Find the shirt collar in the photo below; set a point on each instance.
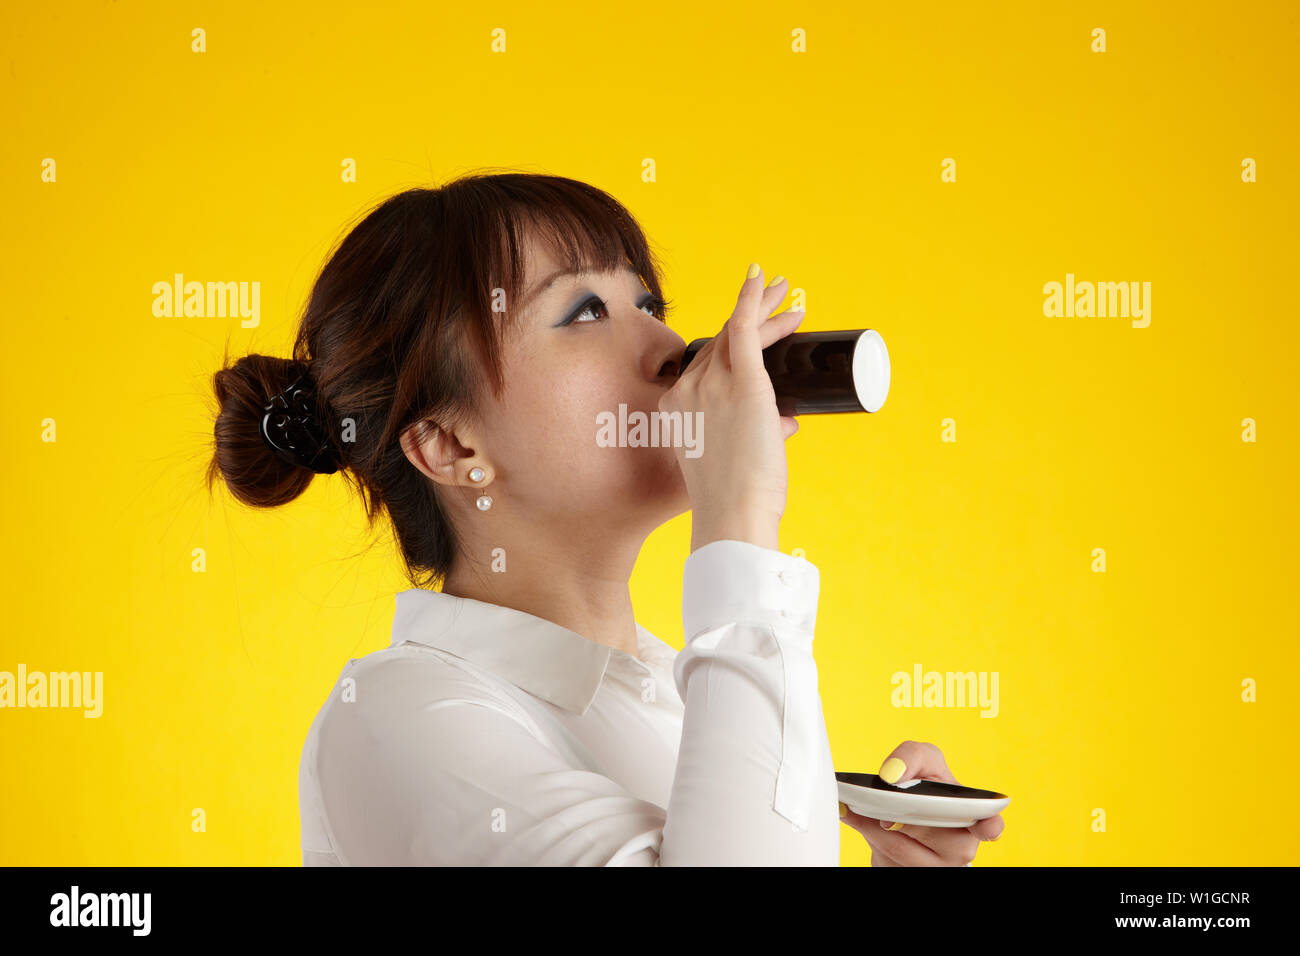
(536, 655)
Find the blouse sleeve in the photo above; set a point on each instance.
(440, 772)
(755, 783)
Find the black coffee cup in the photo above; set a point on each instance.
(815, 373)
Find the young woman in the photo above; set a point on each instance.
(457, 354)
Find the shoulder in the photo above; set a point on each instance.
(397, 678)
(384, 691)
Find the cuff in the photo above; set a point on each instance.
(729, 581)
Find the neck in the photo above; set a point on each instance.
(577, 585)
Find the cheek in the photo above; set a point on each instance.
(552, 427)
(576, 407)
(548, 416)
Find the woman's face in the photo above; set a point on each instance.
(587, 343)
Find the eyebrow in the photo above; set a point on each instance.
(546, 284)
(551, 279)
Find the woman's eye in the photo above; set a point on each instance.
(589, 308)
(595, 310)
(656, 307)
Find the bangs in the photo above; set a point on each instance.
(583, 228)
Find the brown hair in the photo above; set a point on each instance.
(400, 328)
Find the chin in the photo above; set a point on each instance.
(670, 493)
(658, 481)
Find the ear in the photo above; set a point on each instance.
(441, 455)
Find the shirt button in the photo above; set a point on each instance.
(788, 577)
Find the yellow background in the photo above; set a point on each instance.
(1119, 691)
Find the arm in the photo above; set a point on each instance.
(755, 784)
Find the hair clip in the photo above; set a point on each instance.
(292, 429)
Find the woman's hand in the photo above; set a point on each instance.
(920, 846)
(738, 485)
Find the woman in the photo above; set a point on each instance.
(458, 350)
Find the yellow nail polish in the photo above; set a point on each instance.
(892, 769)
(775, 281)
(896, 826)
(753, 270)
(844, 809)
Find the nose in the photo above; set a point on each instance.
(658, 349)
(661, 354)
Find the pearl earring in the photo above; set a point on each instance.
(484, 502)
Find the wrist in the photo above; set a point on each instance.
(763, 531)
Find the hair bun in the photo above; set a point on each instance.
(269, 430)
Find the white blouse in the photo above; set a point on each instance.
(488, 736)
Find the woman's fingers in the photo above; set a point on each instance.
(746, 355)
(750, 315)
(720, 344)
(875, 833)
(773, 295)
(989, 829)
(896, 844)
(776, 325)
(911, 852)
(779, 326)
(773, 329)
(915, 845)
(770, 328)
(912, 759)
(864, 826)
(954, 846)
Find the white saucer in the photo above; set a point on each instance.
(922, 803)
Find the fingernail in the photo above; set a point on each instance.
(844, 809)
(775, 281)
(753, 270)
(892, 769)
(892, 826)
(996, 838)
